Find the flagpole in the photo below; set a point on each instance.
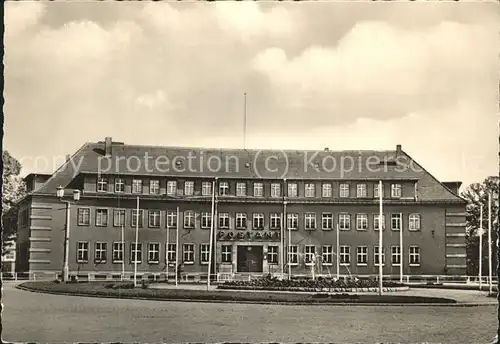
(123, 254)
(401, 250)
(166, 251)
(215, 227)
(282, 232)
(338, 250)
(480, 247)
(490, 267)
(380, 271)
(289, 256)
(136, 242)
(211, 236)
(177, 250)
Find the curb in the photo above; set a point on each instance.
(338, 304)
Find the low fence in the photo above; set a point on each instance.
(222, 277)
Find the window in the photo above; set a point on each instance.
(119, 185)
(188, 253)
(362, 255)
(258, 221)
(376, 256)
(361, 222)
(376, 222)
(258, 189)
(223, 188)
(83, 216)
(344, 190)
(361, 191)
(188, 219)
(272, 254)
(154, 253)
(154, 218)
(154, 187)
(82, 252)
(170, 257)
(241, 189)
(310, 220)
(309, 252)
(396, 222)
(293, 221)
(309, 190)
(275, 221)
(326, 190)
(100, 252)
(227, 253)
(395, 255)
(375, 191)
(414, 222)
(204, 253)
(101, 217)
(206, 220)
(135, 252)
(327, 254)
(119, 217)
(223, 220)
(102, 184)
(292, 190)
(206, 189)
(344, 222)
(241, 221)
(414, 256)
(275, 190)
(137, 220)
(136, 186)
(396, 190)
(327, 221)
(171, 188)
(118, 252)
(293, 255)
(189, 188)
(345, 255)
(172, 219)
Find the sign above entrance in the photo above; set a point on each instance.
(267, 235)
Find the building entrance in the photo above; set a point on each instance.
(250, 258)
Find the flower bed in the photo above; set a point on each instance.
(320, 284)
(124, 291)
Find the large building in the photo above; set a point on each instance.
(317, 195)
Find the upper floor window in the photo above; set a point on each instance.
(258, 189)
(327, 220)
(171, 187)
(223, 188)
(241, 189)
(154, 187)
(258, 221)
(188, 219)
(206, 189)
(275, 221)
(206, 220)
(361, 222)
(396, 220)
(344, 190)
(326, 190)
(275, 190)
(310, 220)
(344, 222)
(136, 186)
(292, 190)
(361, 191)
(137, 218)
(414, 222)
(171, 219)
(101, 217)
(154, 218)
(189, 188)
(102, 184)
(119, 217)
(223, 220)
(119, 185)
(241, 220)
(396, 190)
(309, 190)
(84, 216)
(376, 191)
(293, 221)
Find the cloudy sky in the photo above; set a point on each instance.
(339, 75)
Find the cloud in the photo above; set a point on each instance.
(21, 16)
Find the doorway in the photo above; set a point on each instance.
(250, 259)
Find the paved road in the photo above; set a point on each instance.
(52, 318)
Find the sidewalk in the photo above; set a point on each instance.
(469, 297)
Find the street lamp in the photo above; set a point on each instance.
(76, 198)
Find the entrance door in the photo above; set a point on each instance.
(250, 258)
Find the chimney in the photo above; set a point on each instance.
(453, 186)
(107, 146)
(327, 149)
(68, 157)
(398, 150)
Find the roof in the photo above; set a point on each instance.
(236, 163)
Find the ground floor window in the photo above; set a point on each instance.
(204, 253)
(362, 255)
(117, 252)
(376, 255)
(154, 253)
(293, 255)
(395, 255)
(227, 253)
(188, 253)
(309, 251)
(171, 253)
(272, 254)
(327, 254)
(82, 253)
(135, 252)
(100, 252)
(414, 256)
(345, 255)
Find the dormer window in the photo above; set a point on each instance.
(102, 184)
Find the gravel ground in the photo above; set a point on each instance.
(52, 318)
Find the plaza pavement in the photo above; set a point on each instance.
(47, 318)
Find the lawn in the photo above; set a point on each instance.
(126, 291)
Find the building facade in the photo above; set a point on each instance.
(271, 210)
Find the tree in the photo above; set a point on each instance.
(477, 194)
(13, 189)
